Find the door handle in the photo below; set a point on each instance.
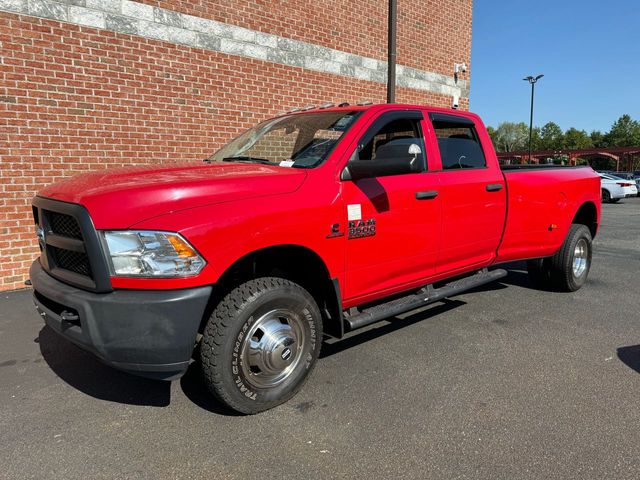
(426, 195)
(494, 187)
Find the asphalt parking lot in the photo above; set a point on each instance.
(504, 382)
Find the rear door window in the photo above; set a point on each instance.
(458, 142)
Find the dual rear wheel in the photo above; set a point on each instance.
(568, 269)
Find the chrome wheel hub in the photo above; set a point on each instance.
(272, 348)
(580, 257)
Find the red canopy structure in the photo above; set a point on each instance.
(622, 156)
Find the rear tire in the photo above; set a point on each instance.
(260, 344)
(569, 267)
(606, 196)
(539, 273)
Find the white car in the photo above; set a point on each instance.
(614, 188)
(629, 176)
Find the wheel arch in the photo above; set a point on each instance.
(587, 215)
(296, 263)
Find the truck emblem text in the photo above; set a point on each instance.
(362, 228)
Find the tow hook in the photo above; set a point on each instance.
(69, 317)
(42, 313)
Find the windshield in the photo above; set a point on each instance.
(303, 140)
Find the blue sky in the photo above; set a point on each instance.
(588, 50)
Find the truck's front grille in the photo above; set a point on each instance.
(76, 262)
(66, 254)
(71, 249)
(64, 225)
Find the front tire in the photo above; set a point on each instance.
(260, 344)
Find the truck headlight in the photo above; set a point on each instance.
(141, 253)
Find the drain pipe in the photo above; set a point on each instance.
(391, 52)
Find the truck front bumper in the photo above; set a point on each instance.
(150, 333)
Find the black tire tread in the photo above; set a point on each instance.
(218, 329)
(538, 272)
(560, 266)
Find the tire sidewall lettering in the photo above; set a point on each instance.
(236, 358)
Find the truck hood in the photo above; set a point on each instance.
(123, 197)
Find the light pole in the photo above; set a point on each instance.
(532, 81)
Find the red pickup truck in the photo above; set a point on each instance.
(313, 223)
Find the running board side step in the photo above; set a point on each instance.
(424, 297)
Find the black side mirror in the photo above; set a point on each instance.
(357, 169)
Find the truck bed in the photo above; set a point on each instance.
(542, 203)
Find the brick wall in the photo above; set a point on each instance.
(432, 34)
(75, 98)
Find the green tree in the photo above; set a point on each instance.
(492, 134)
(551, 137)
(510, 137)
(598, 139)
(575, 139)
(625, 132)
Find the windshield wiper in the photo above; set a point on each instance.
(243, 158)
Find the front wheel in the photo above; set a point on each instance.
(260, 344)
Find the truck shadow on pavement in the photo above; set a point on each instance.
(630, 356)
(195, 390)
(517, 276)
(85, 373)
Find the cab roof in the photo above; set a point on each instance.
(379, 107)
